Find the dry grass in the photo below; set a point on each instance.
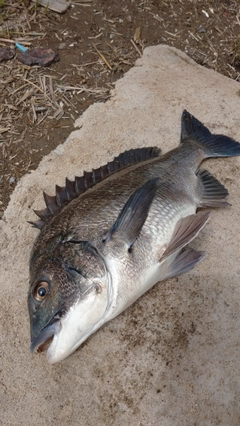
(34, 101)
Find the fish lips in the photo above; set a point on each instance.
(52, 328)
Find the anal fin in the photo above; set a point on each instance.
(213, 192)
(183, 262)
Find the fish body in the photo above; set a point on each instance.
(110, 235)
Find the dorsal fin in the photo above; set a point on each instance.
(81, 184)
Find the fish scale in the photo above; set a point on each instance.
(107, 237)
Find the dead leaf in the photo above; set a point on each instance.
(38, 56)
(137, 36)
(6, 53)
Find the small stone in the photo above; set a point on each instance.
(62, 46)
(201, 29)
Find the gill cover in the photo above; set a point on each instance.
(75, 302)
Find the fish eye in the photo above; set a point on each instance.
(41, 290)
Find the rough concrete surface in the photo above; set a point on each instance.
(173, 358)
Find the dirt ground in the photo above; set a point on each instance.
(97, 42)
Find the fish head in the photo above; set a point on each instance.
(68, 298)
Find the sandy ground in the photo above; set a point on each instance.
(173, 358)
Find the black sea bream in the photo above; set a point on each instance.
(110, 235)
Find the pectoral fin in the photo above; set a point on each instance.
(133, 215)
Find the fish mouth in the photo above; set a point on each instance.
(40, 342)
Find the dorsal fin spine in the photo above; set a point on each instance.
(81, 184)
(58, 190)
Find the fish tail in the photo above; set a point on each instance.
(213, 145)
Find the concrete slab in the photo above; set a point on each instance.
(173, 358)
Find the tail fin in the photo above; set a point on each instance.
(214, 145)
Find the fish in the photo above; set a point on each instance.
(110, 235)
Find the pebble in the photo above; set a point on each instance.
(62, 46)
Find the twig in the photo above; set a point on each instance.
(25, 96)
(39, 88)
(137, 49)
(102, 57)
(8, 40)
(43, 118)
